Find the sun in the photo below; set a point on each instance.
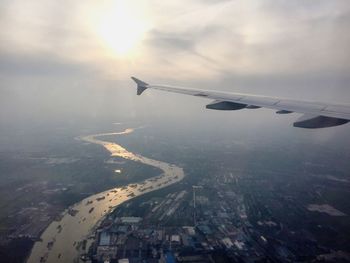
(122, 27)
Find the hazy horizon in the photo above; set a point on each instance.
(73, 59)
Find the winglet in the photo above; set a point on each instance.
(141, 86)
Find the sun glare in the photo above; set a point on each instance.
(121, 27)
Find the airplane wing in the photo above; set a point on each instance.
(315, 114)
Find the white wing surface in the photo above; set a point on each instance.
(316, 114)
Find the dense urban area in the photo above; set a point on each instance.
(230, 207)
(217, 220)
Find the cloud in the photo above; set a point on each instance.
(167, 41)
(202, 39)
(14, 65)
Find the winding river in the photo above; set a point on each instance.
(65, 240)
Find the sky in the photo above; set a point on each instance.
(73, 59)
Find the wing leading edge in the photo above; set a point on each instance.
(316, 114)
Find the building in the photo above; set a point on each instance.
(105, 238)
(130, 220)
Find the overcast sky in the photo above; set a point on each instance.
(64, 58)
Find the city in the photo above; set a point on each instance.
(221, 211)
(214, 221)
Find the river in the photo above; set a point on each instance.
(62, 240)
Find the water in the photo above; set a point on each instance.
(62, 240)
